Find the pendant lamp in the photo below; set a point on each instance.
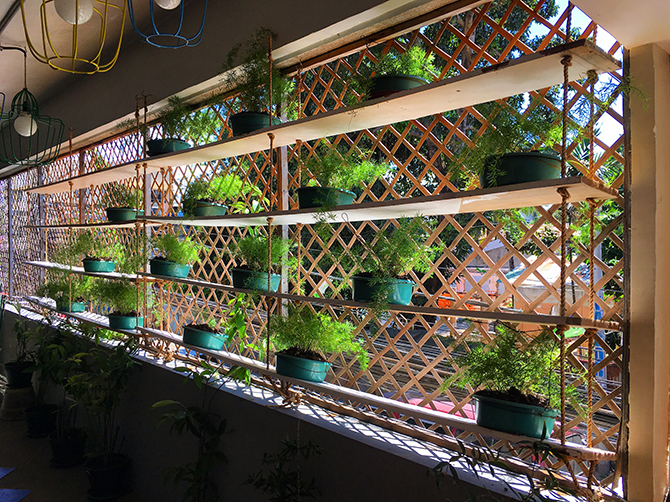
(93, 29)
(26, 137)
(168, 39)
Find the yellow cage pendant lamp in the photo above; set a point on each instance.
(96, 28)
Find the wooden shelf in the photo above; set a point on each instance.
(526, 73)
(381, 403)
(103, 224)
(80, 270)
(486, 316)
(487, 199)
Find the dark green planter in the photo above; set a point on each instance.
(246, 122)
(305, 369)
(109, 476)
(323, 197)
(120, 214)
(68, 450)
(368, 289)
(74, 307)
(250, 279)
(98, 265)
(390, 84)
(124, 322)
(41, 420)
(203, 339)
(169, 268)
(209, 209)
(515, 418)
(17, 378)
(521, 168)
(161, 146)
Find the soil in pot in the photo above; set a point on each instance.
(161, 146)
(247, 122)
(68, 450)
(366, 288)
(204, 336)
(251, 279)
(160, 266)
(41, 420)
(309, 365)
(109, 476)
(17, 378)
(386, 85)
(309, 197)
(523, 167)
(98, 265)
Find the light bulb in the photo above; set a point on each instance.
(73, 11)
(168, 4)
(25, 124)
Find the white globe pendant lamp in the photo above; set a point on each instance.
(74, 11)
(25, 125)
(168, 4)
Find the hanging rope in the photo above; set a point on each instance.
(568, 28)
(273, 173)
(269, 282)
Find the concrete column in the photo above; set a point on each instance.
(650, 275)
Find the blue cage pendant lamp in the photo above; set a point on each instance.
(26, 137)
(167, 39)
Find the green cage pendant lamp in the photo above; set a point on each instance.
(26, 137)
(95, 29)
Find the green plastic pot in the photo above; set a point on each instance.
(246, 122)
(515, 418)
(74, 307)
(203, 339)
(203, 208)
(385, 85)
(98, 265)
(304, 369)
(161, 146)
(520, 168)
(120, 213)
(169, 268)
(250, 279)
(369, 289)
(124, 322)
(323, 197)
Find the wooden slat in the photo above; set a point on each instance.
(514, 317)
(488, 199)
(388, 405)
(524, 74)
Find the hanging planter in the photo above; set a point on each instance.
(98, 265)
(524, 167)
(309, 197)
(515, 418)
(124, 321)
(299, 367)
(386, 85)
(158, 266)
(252, 279)
(203, 208)
(119, 214)
(370, 289)
(203, 336)
(248, 122)
(169, 145)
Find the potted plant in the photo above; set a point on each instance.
(204, 198)
(174, 257)
(336, 174)
(121, 298)
(252, 250)
(515, 147)
(71, 294)
(206, 332)
(99, 256)
(100, 376)
(251, 78)
(302, 336)
(396, 72)
(208, 427)
(121, 202)
(389, 257)
(178, 125)
(516, 382)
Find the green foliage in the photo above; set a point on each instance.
(92, 245)
(121, 195)
(23, 329)
(512, 362)
(220, 189)
(342, 170)
(178, 122)
(119, 296)
(310, 332)
(207, 426)
(414, 61)
(395, 252)
(253, 250)
(58, 287)
(252, 77)
(185, 252)
(281, 477)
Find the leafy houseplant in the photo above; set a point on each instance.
(174, 257)
(121, 202)
(71, 295)
(178, 125)
(391, 255)
(99, 378)
(300, 338)
(516, 382)
(253, 250)
(398, 72)
(205, 332)
(252, 79)
(121, 298)
(208, 199)
(336, 173)
(207, 426)
(99, 256)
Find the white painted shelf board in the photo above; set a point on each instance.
(532, 194)
(103, 224)
(526, 73)
(390, 406)
(505, 315)
(80, 270)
